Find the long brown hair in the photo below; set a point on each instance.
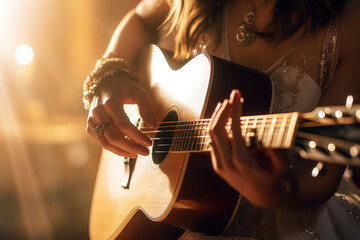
(191, 18)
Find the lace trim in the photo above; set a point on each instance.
(309, 224)
(329, 55)
(278, 74)
(348, 196)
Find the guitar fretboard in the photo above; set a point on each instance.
(269, 131)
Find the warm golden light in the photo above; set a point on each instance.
(354, 150)
(4, 13)
(312, 144)
(338, 114)
(316, 170)
(327, 110)
(331, 147)
(24, 54)
(349, 101)
(183, 83)
(321, 114)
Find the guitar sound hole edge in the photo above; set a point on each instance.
(164, 137)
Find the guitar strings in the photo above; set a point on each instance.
(165, 124)
(144, 128)
(275, 134)
(205, 135)
(197, 127)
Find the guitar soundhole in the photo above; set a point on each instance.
(164, 137)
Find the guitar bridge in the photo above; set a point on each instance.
(129, 164)
(126, 174)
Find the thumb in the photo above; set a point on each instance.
(141, 97)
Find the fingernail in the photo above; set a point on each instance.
(148, 142)
(144, 151)
(235, 94)
(217, 106)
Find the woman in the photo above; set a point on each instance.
(308, 48)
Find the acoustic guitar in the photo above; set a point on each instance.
(174, 188)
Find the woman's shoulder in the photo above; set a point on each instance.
(153, 12)
(350, 36)
(347, 71)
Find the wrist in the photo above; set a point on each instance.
(105, 68)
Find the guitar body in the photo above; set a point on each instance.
(167, 193)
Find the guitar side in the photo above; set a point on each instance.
(181, 190)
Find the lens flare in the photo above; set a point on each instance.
(24, 54)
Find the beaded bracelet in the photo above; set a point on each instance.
(104, 68)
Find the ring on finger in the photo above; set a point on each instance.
(99, 129)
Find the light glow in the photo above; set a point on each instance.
(321, 114)
(349, 102)
(24, 54)
(316, 170)
(331, 147)
(5, 7)
(354, 151)
(327, 110)
(338, 114)
(312, 144)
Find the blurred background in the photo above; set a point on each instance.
(48, 163)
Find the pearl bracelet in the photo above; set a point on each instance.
(104, 68)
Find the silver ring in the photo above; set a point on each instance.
(99, 129)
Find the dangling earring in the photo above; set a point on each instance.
(245, 34)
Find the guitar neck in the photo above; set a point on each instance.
(269, 131)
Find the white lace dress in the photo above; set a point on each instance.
(295, 90)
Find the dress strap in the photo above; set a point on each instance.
(330, 52)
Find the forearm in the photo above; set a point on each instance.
(303, 190)
(137, 29)
(130, 37)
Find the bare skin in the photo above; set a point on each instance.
(263, 186)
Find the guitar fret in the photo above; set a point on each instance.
(175, 138)
(175, 145)
(262, 131)
(291, 129)
(193, 135)
(181, 137)
(197, 138)
(280, 136)
(206, 138)
(271, 132)
(254, 125)
(198, 145)
(186, 137)
(200, 136)
(189, 135)
(245, 127)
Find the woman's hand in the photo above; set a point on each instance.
(120, 136)
(259, 179)
(199, 236)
